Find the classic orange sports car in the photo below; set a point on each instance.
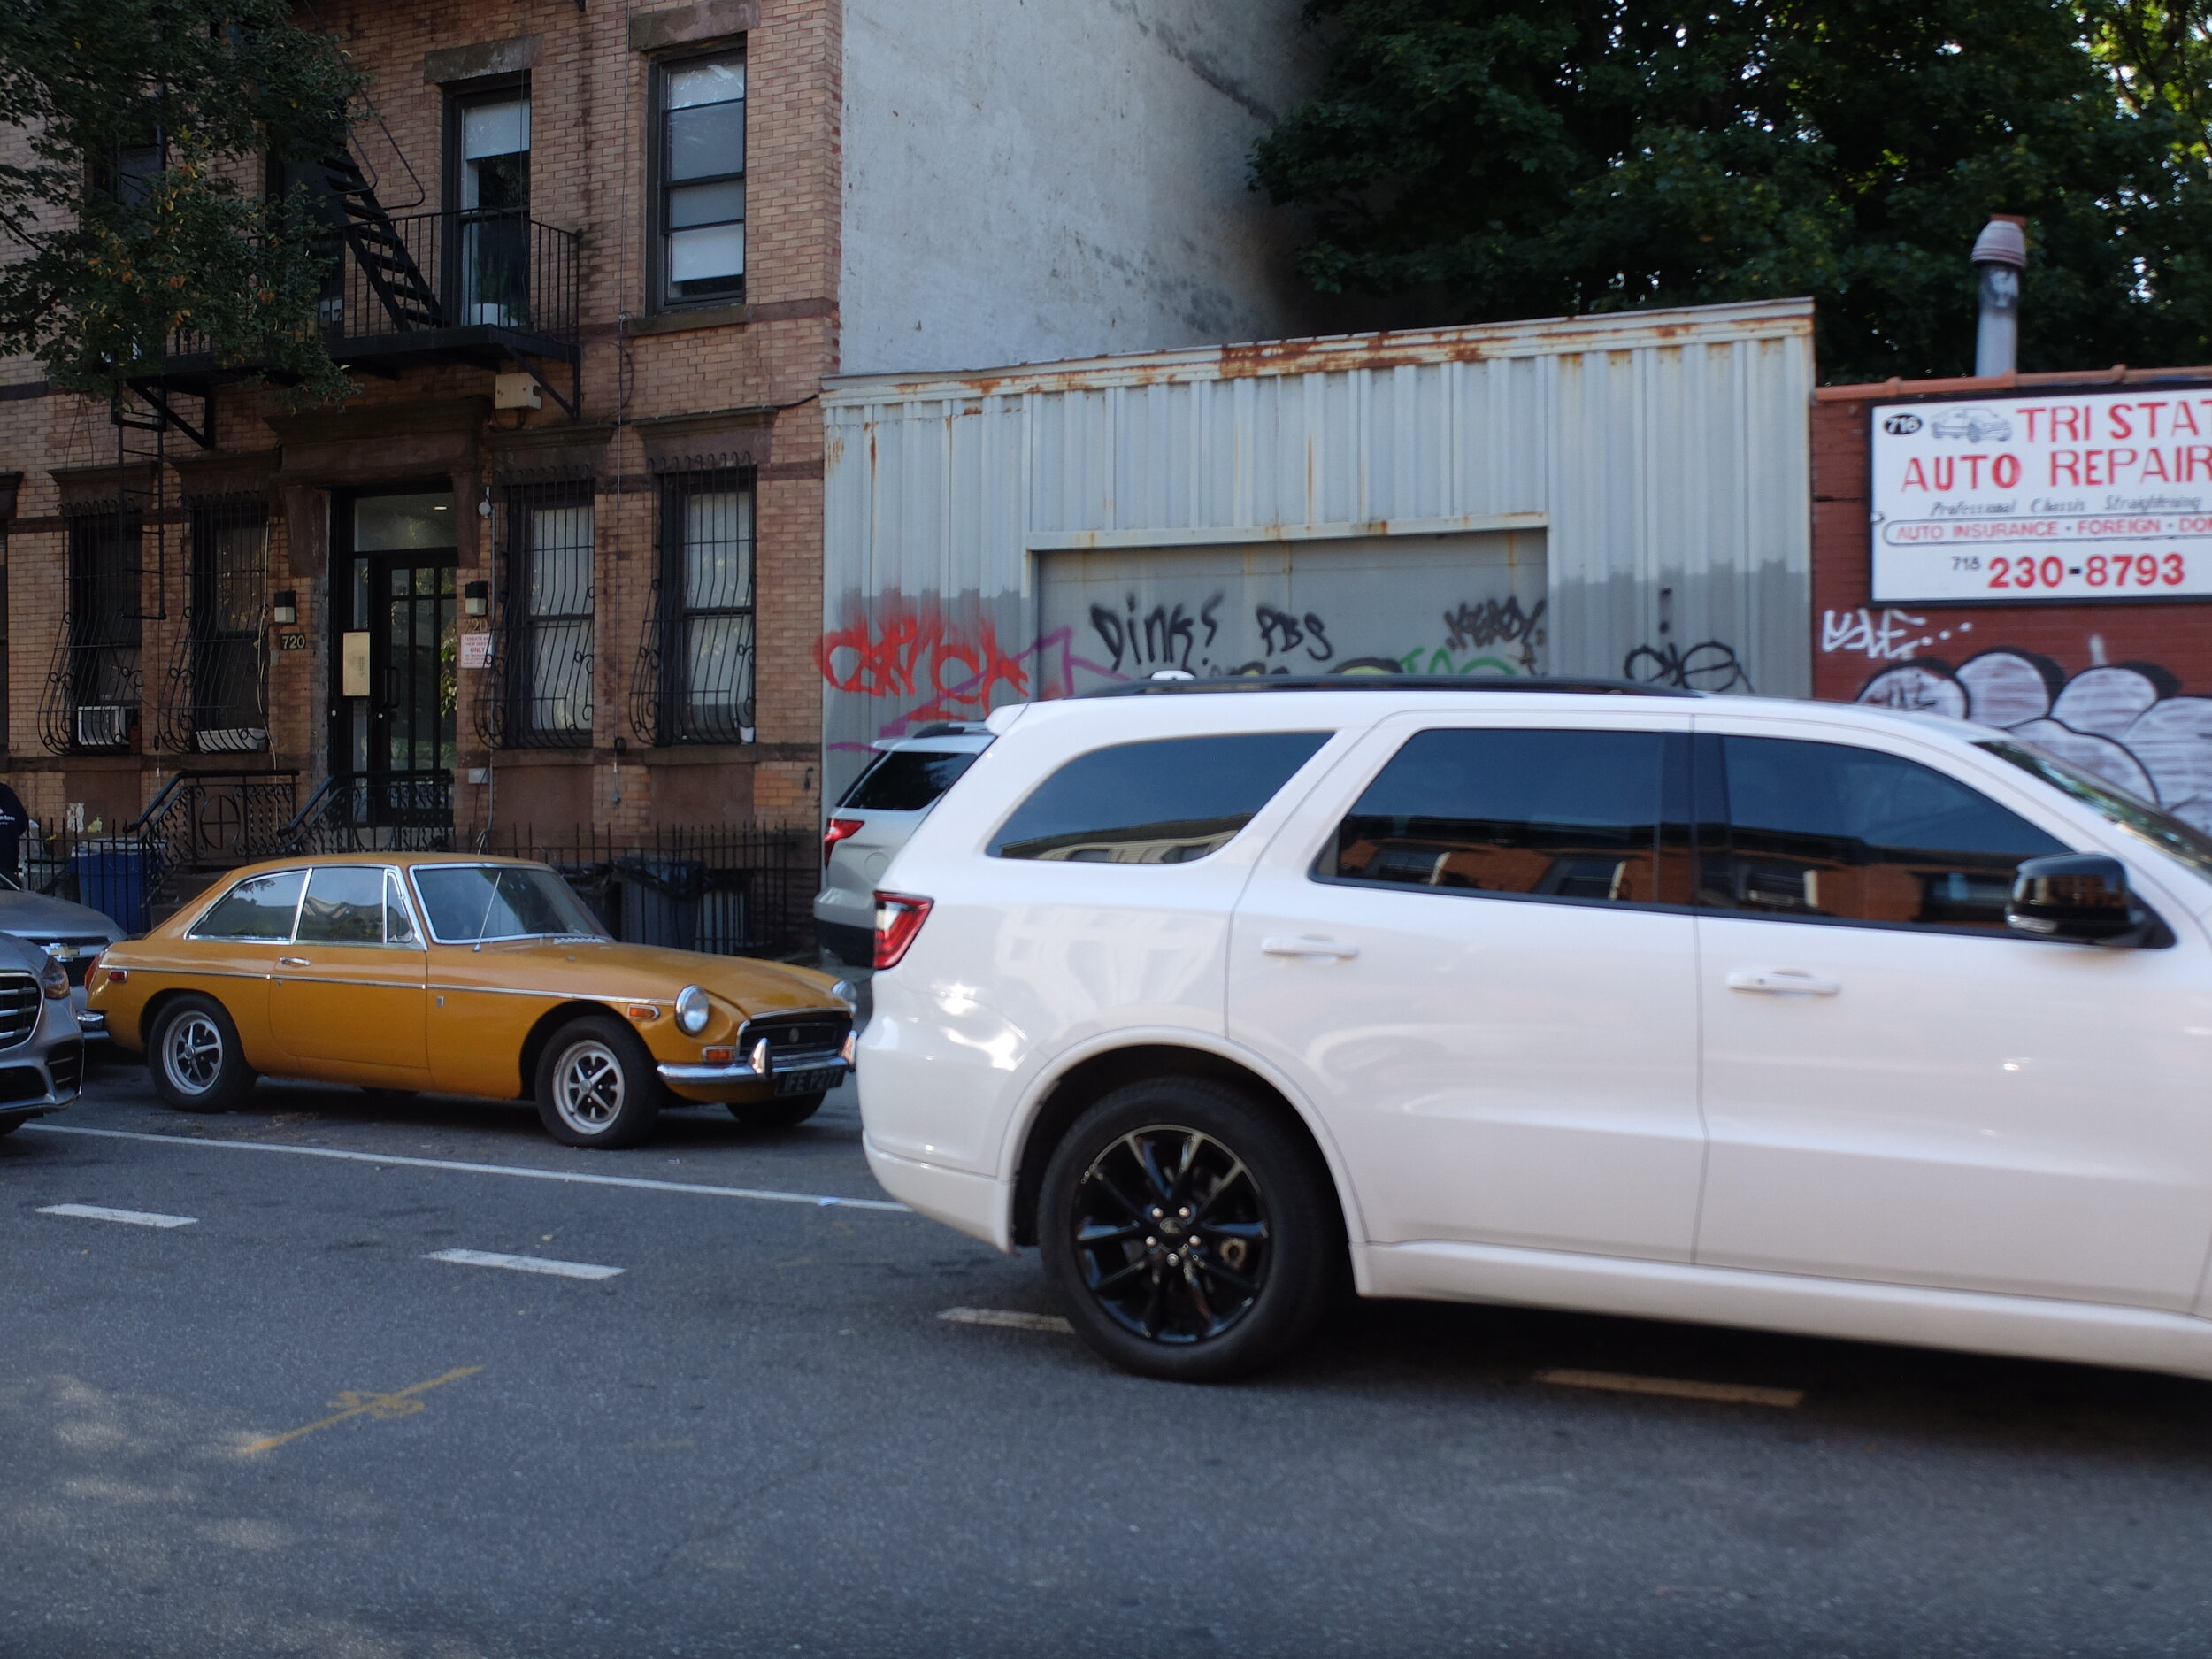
(462, 976)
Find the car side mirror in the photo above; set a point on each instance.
(2082, 897)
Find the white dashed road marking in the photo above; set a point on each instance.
(764, 1194)
(524, 1264)
(133, 1218)
(1679, 1388)
(1007, 1319)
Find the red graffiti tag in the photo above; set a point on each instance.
(918, 652)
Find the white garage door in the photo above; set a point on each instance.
(1466, 604)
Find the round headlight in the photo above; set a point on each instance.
(693, 1009)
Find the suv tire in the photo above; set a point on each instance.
(596, 1085)
(1187, 1234)
(197, 1063)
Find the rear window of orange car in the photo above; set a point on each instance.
(260, 907)
(470, 903)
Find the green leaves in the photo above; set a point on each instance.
(138, 215)
(1485, 159)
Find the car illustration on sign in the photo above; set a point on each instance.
(1975, 426)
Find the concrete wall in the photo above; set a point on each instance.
(1029, 180)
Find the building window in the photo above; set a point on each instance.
(92, 702)
(224, 679)
(488, 188)
(700, 151)
(543, 682)
(695, 670)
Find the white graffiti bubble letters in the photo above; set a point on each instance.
(1891, 637)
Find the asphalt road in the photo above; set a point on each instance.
(286, 1428)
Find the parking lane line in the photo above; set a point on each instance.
(524, 1264)
(1007, 1319)
(1675, 1387)
(522, 1171)
(355, 1402)
(130, 1217)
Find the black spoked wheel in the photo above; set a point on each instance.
(1189, 1233)
(1171, 1233)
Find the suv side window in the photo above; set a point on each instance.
(1535, 813)
(1827, 830)
(261, 907)
(1167, 802)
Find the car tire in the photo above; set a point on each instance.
(788, 1113)
(597, 1086)
(197, 1063)
(1209, 1238)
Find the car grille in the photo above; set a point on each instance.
(789, 1034)
(65, 1061)
(74, 966)
(18, 1008)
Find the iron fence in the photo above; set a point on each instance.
(730, 891)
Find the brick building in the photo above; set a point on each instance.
(556, 570)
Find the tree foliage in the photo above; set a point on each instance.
(1488, 159)
(105, 261)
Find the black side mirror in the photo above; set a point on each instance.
(2081, 897)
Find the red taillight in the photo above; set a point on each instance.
(899, 917)
(837, 832)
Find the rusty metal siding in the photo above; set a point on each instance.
(1662, 455)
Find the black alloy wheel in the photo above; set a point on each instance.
(786, 1113)
(194, 1055)
(1188, 1232)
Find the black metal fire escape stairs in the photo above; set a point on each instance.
(390, 270)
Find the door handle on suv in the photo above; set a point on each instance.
(294, 962)
(1281, 945)
(1782, 982)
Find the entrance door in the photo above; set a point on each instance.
(392, 707)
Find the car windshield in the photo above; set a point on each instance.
(2172, 836)
(474, 903)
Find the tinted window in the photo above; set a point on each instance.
(1569, 815)
(345, 905)
(260, 908)
(469, 902)
(1823, 829)
(907, 780)
(1163, 802)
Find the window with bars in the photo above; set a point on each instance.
(94, 686)
(694, 682)
(700, 183)
(226, 706)
(544, 680)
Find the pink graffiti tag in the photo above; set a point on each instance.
(915, 651)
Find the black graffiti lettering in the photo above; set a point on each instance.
(1319, 631)
(1110, 634)
(1279, 629)
(1205, 616)
(1493, 620)
(1708, 666)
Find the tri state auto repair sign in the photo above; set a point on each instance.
(2075, 496)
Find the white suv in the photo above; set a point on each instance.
(1803, 1016)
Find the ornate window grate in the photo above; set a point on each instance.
(93, 683)
(694, 680)
(538, 692)
(217, 701)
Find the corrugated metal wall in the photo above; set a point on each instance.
(1659, 458)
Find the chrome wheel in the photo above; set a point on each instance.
(1171, 1234)
(192, 1052)
(589, 1088)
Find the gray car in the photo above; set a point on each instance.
(41, 1051)
(71, 934)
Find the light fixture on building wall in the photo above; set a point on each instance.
(476, 599)
(284, 606)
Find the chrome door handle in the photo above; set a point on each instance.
(1281, 945)
(294, 962)
(1782, 982)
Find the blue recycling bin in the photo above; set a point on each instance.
(111, 876)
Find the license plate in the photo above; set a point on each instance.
(808, 1082)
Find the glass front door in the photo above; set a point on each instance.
(395, 656)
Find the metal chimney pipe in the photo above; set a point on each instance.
(2001, 254)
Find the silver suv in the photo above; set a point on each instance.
(42, 1054)
(867, 828)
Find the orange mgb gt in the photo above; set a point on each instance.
(462, 976)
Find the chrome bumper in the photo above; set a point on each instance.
(744, 1071)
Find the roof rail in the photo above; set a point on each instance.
(1393, 682)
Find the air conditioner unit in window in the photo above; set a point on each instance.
(104, 725)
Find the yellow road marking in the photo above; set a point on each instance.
(357, 1402)
(1679, 1388)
